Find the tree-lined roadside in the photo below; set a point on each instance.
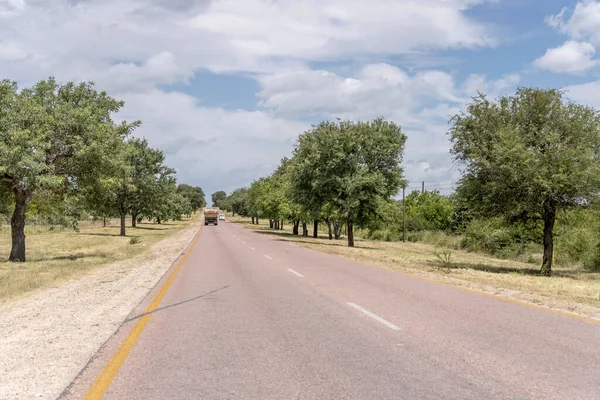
(63, 158)
(527, 161)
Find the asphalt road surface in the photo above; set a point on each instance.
(251, 317)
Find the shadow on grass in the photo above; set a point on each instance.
(72, 257)
(161, 227)
(100, 234)
(495, 269)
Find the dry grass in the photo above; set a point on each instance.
(569, 289)
(56, 256)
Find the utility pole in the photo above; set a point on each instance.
(422, 186)
(403, 214)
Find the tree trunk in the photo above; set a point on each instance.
(316, 229)
(158, 220)
(329, 228)
(257, 221)
(350, 233)
(133, 221)
(17, 227)
(122, 223)
(271, 223)
(295, 227)
(549, 219)
(252, 220)
(104, 222)
(281, 226)
(304, 230)
(337, 229)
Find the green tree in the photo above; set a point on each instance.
(138, 187)
(351, 166)
(164, 202)
(237, 200)
(217, 197)
(53, 137)
(428, 210)
(527, 156)
(254, 200)
(194, 194)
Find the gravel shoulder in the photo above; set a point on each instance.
(49, 337)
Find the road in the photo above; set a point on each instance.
(252, 317)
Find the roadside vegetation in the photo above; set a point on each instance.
(77, 191)
(528, 195)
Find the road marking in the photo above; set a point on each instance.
(374, 316)
(252, 248)
(268, 257)
(295, 273)
(103, 381)
(243, 242)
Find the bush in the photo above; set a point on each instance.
(487, 235)
(593, 263)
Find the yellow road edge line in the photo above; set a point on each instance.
(105, 378)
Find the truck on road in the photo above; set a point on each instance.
(211, 215)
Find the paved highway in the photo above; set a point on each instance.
(251, 317)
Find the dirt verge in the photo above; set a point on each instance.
(48, 337)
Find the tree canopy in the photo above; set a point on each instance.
(61, 154)
(217, 197)
(54, 137)
(350, 166)
(527, 156)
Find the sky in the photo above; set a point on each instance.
(224, 87)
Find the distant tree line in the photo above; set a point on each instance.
(62, 156)
(528, 160)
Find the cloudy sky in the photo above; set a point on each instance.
(225, 86)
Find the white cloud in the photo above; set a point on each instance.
(583, 24)
(571, 57)
(160, 69)
(583, 28)
(131, 47)
(211, 146)
(420, 103)
(81, 38)
(586, 93)
(341, 27)
(375, 90)
(10, 51)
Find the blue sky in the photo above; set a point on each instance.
(225, 86)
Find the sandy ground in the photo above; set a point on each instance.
(47, 338)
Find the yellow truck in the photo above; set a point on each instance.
(211, 215)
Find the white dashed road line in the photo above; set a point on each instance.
(374, 316)
(268, 257)
(295, 273)
(252, 248)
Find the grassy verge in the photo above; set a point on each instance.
(570, 289)
(55, 256)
